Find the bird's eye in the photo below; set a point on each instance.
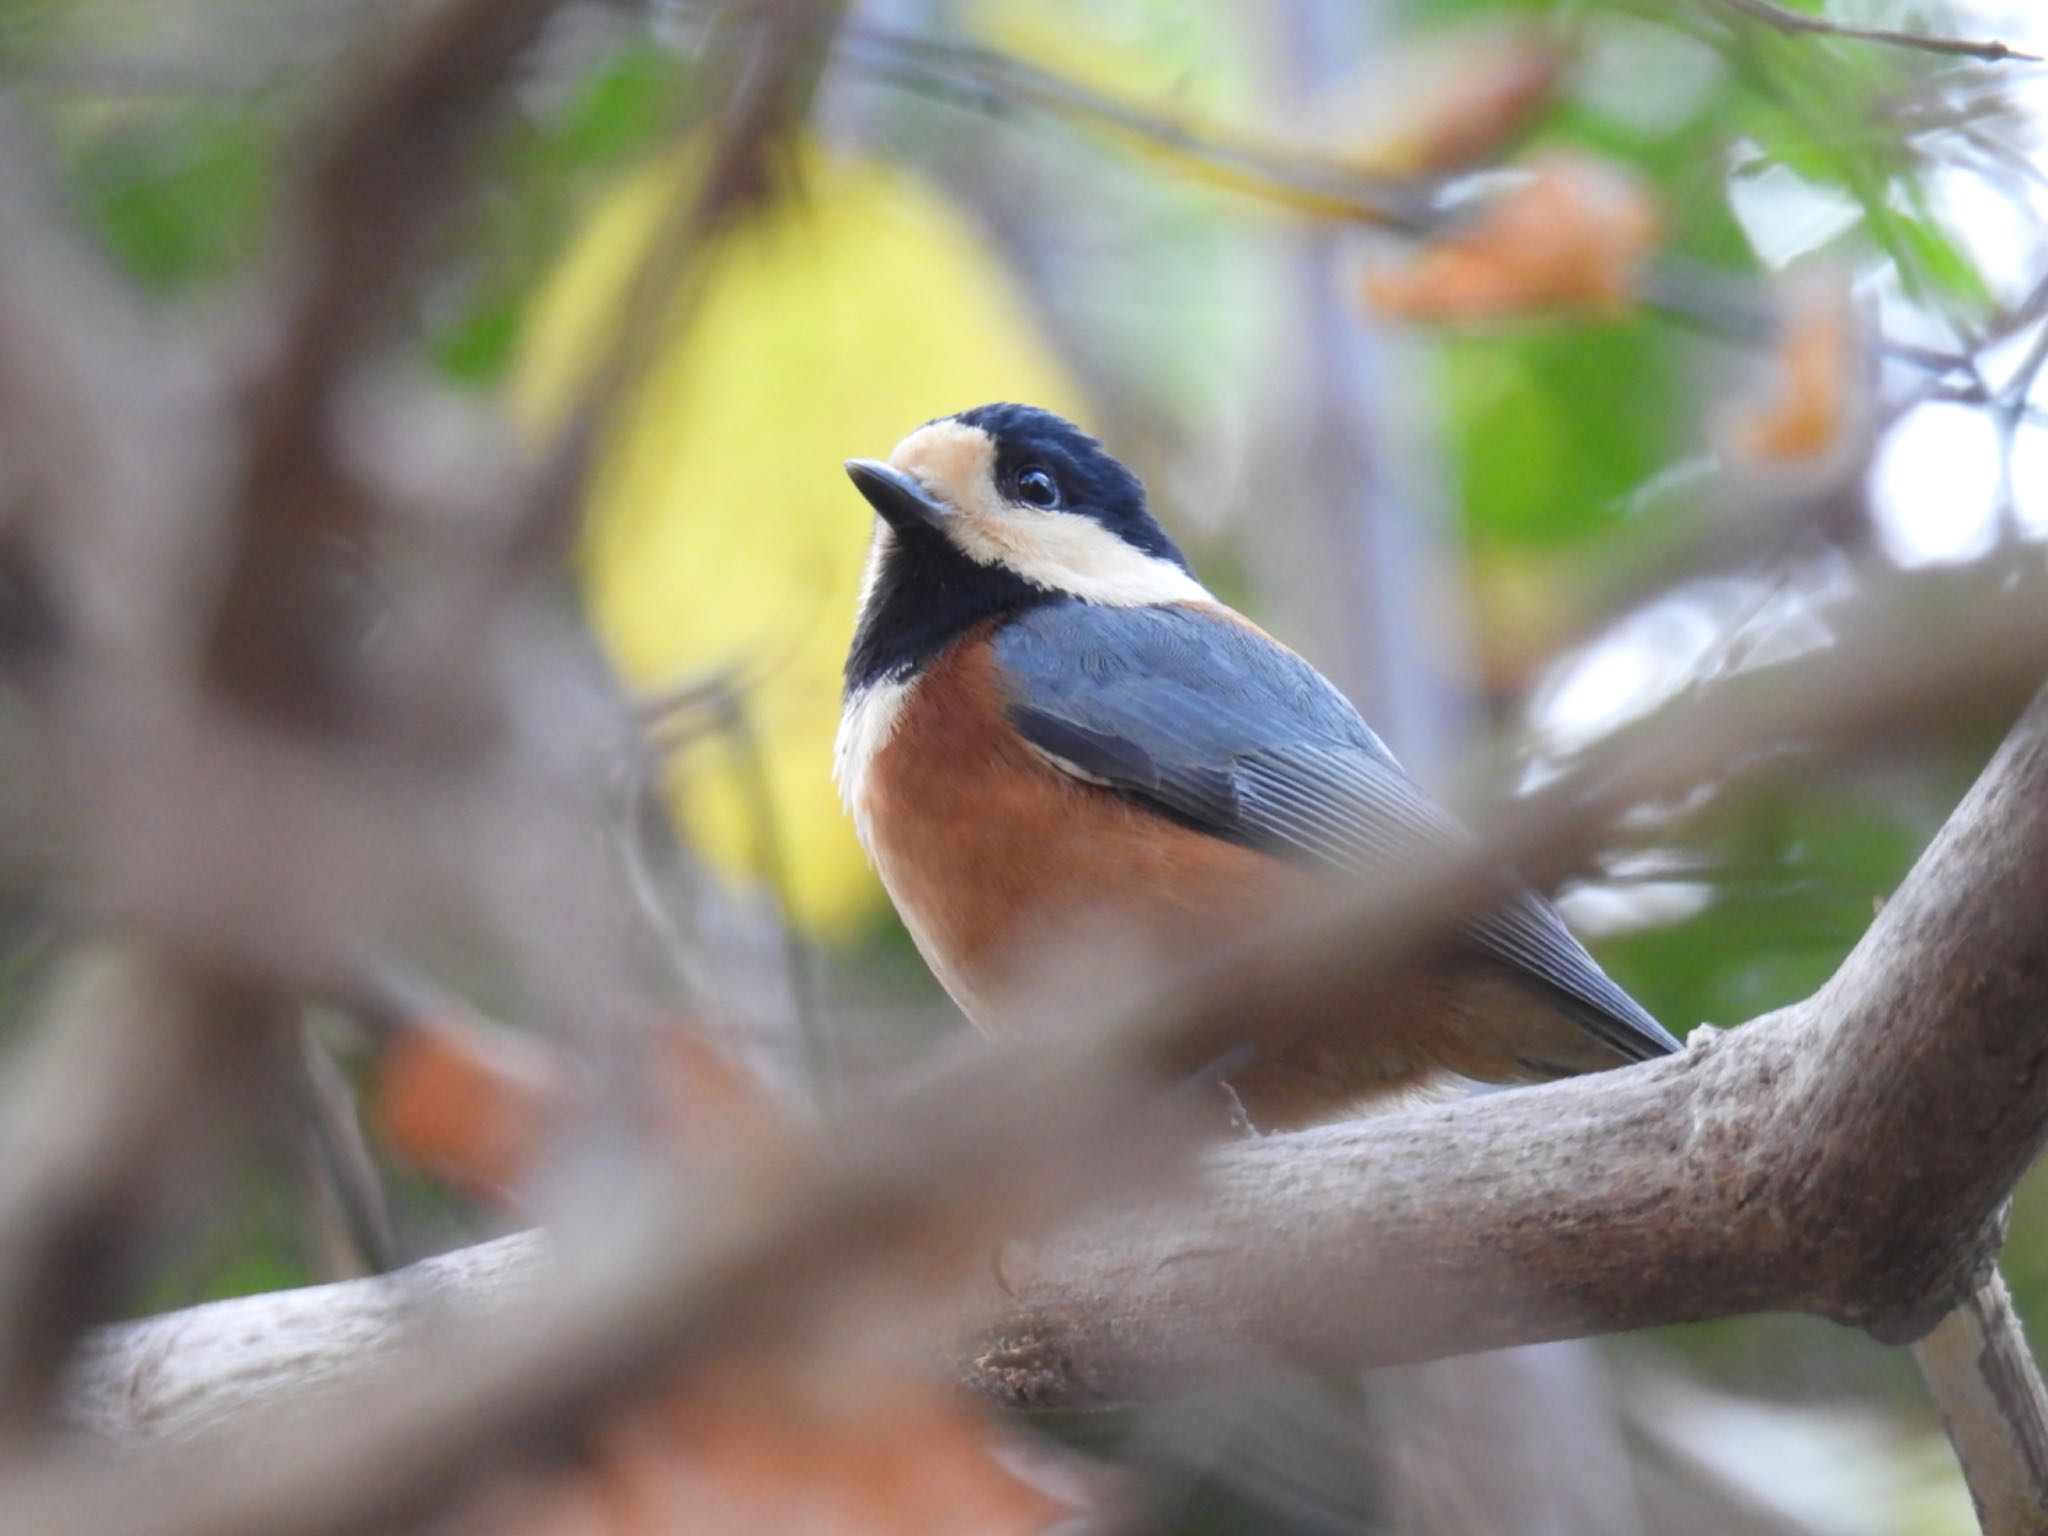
(1037, 487)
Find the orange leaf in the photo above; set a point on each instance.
(468, 1103)
(754, 1451)
(474, 1104)
(1572, 236)
(707, 1104)
(1812, 400)
(1500, 95)
(1457, 102)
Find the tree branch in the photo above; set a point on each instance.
(392, 166)
(1798, 23)
(1803, 1162)
(1687, 1188)
(1301, 178)
(1984, 1381)
(185, 1373)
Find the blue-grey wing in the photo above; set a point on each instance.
(1211, 723)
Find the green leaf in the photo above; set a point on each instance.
(178, 200)
(1553, 427)
(1937, 260)
(1796, 877)
(623, 109)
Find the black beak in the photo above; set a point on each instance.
(900, 499)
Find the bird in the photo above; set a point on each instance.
(1050, 728)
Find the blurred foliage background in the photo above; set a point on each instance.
(1471, 519)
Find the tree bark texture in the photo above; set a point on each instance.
(1846, 1156)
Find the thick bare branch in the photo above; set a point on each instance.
(1806, 1161)
(383, 181)
(690, 1281)
(189, 1372)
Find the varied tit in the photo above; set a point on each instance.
(1052, 727)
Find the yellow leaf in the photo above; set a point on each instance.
(722, 531)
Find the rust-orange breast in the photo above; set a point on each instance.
(996, 858)
(1000, 862)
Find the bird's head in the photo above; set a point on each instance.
(990, 511)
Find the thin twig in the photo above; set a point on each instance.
(1798, 23)
(1988, 1387)
(1296, 177)
(348, 1216)
(818, 1058)
(770, 69)
(765, 71)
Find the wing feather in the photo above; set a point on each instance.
(1217, 726)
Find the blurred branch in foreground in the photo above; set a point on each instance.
(1801, 1162)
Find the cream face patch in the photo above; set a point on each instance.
(1060, 551)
